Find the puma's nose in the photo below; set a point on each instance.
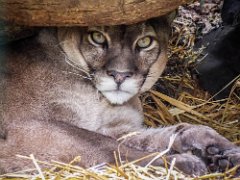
(119, 77)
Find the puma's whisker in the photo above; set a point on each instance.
(84, 77)
(75, 66)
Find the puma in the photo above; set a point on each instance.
(74, 91)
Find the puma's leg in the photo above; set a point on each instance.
(201, 141)
(57, 141)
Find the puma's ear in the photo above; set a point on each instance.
(163, 21)
(171, 16)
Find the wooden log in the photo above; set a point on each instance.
(83, 12)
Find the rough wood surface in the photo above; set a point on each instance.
(83, 12)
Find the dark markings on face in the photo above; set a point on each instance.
(126, 48)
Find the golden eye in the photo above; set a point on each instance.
(144, 42)
(97, 37)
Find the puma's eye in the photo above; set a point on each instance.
(144, 42)
(97, 38)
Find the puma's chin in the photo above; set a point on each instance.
(117, 97)
(114, 94)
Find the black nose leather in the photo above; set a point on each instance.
(119, 77)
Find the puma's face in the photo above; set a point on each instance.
(120, 60)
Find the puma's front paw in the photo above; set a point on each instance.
(206, 143)
(227, 159)
(189, 164)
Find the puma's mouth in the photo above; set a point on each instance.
(117, 96)
(117, 91)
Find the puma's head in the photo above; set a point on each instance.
(122, 60)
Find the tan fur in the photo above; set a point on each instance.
(53, 107)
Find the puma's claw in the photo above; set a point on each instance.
(217, 152)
